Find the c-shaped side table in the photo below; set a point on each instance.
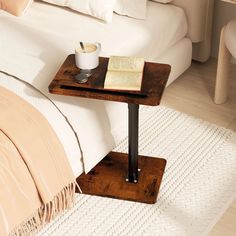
(118, 175)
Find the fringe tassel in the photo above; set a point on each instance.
(47, 212)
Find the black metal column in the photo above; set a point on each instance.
(133, 143)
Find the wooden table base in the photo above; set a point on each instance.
(107, 179)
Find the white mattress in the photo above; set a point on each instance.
(34, 47)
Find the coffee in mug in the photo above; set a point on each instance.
(87, 58)
(88, 47)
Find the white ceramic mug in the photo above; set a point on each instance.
(88, 58)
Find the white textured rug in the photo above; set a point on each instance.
(199, 183)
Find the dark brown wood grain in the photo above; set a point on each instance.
(155, 77)
(107, 179)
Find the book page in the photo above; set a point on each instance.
(134, 64)
(123, 80)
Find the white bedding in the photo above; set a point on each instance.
(34, 47)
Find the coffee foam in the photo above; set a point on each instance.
(88, 48)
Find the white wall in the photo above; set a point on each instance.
(223, 12)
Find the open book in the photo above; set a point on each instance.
(124, 73)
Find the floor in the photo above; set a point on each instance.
(193, 94)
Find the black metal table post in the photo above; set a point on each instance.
(133, 143)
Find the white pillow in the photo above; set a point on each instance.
(164, 1)
(133, 8)
(102, 9)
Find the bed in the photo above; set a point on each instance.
(33, 48)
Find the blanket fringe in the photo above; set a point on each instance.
(47, 212)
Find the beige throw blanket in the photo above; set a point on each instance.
(36, 180)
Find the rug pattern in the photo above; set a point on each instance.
(199, 183)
